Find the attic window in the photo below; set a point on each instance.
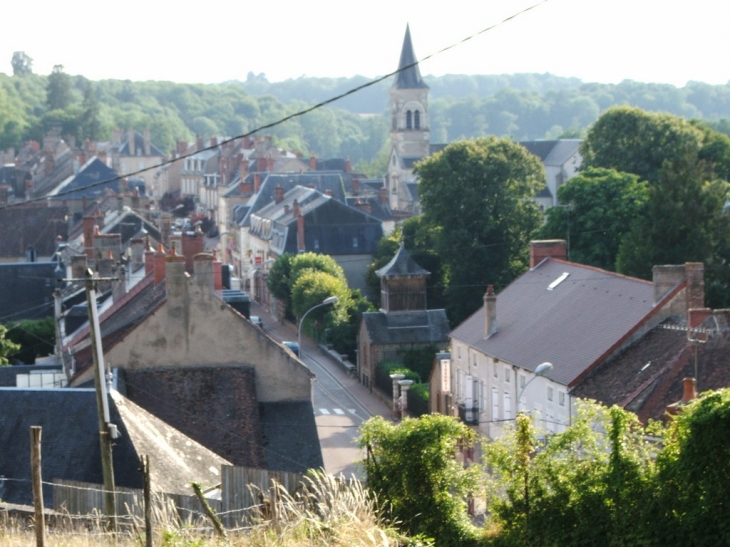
(354, 243)
(558, 281)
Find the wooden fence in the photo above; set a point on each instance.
(237, 505)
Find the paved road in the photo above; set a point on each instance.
(340, 403)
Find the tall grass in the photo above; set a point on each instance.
(324, 511)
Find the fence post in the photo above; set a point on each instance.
(147, 501)
(35, 463)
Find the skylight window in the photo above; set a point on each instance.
(558, 281)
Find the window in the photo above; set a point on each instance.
(474, 360)
(482, 396)
(417, 119)
(507, 406)
(316, 244)
(409, 120)
(522, 381)
(458, 351)
(354, 243)
(496, 372)
(507, 374)
(561, 398)
(550, 393)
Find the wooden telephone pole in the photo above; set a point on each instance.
(102, 402)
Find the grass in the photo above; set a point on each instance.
(328, 511)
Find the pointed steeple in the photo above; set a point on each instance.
(408, 78)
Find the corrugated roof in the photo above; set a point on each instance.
(571, 326)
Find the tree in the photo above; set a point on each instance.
(311, 288)
(477, 196)
(412, 468)
(596, 209)
(89, 124)
(634, 141)
(7, 346)
(34, 338)
(58, 91)
(22, 63)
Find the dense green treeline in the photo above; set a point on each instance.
(521, 106)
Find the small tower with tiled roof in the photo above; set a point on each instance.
(402, 284)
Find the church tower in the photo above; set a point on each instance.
(409, 131)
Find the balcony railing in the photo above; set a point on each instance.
(469, 415)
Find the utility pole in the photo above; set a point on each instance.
(102, 403)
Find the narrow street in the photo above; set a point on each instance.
(341, 404)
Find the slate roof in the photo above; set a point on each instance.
(289, 437)
(409, 78)
(79, 185)
(33, 224)
(70, 443)
(139, 146)
(648, 375)
(572, 326)
(553, 152)
(402, 264)
(404, 328)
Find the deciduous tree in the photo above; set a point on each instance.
(478, 197)
(58, 91)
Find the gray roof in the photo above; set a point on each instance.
(8, 375)
(289, 437)
(410, 77)
(70, 443)
(401, 265)
(555, 152)
(573, 326)
(413, 327)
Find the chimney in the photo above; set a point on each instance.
(270, 164)
(149, 261)
(78, 266)
(214, 141)
(256, 183)
(300, 234)
(328, 192)
(313, 162)
(147, 143)
(383, 193)
(355, 186)
(295, 208)
(490, 312)
(242, 168)
(198, 142)
(348, 167)
(105, 267)
(191, 246)
(689, 393)
(137, 247)
(695, 273)
(135, 199)
(665, 278)
(89, 223)
(217, 273)
(176, 286)
(278, 193)
(159, 262)
(245, 187)
(261, 164)
(286, 209)
(182, 146)
(203, 270)
(547, 248)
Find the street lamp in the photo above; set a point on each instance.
(541, 370)
(326, 302)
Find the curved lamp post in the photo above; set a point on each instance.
(325, 302)
(541, 370)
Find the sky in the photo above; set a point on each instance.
(606, 41)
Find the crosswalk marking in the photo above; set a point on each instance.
(339, 411)
(324, 411)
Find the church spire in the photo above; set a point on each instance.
(408, 78)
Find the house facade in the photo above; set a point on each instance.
(572, 316)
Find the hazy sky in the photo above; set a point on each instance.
(668, 41)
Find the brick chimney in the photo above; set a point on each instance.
(89, 224)
(490, 312)
(547, 248)
(181, 147)
(279, 193)
(300, 234)
(214, 141)
(191, 246)
(355, 186)
(295, 208)
(348, 167)
(217, 273)
(313, 163)
(689, 393)
(245, 187)
(261, 164)
(242, 167)
(159, 264)
(328, 192)
(256, 183)
(270, 164)
(695, 274)
(383, 193)
(198, 142)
